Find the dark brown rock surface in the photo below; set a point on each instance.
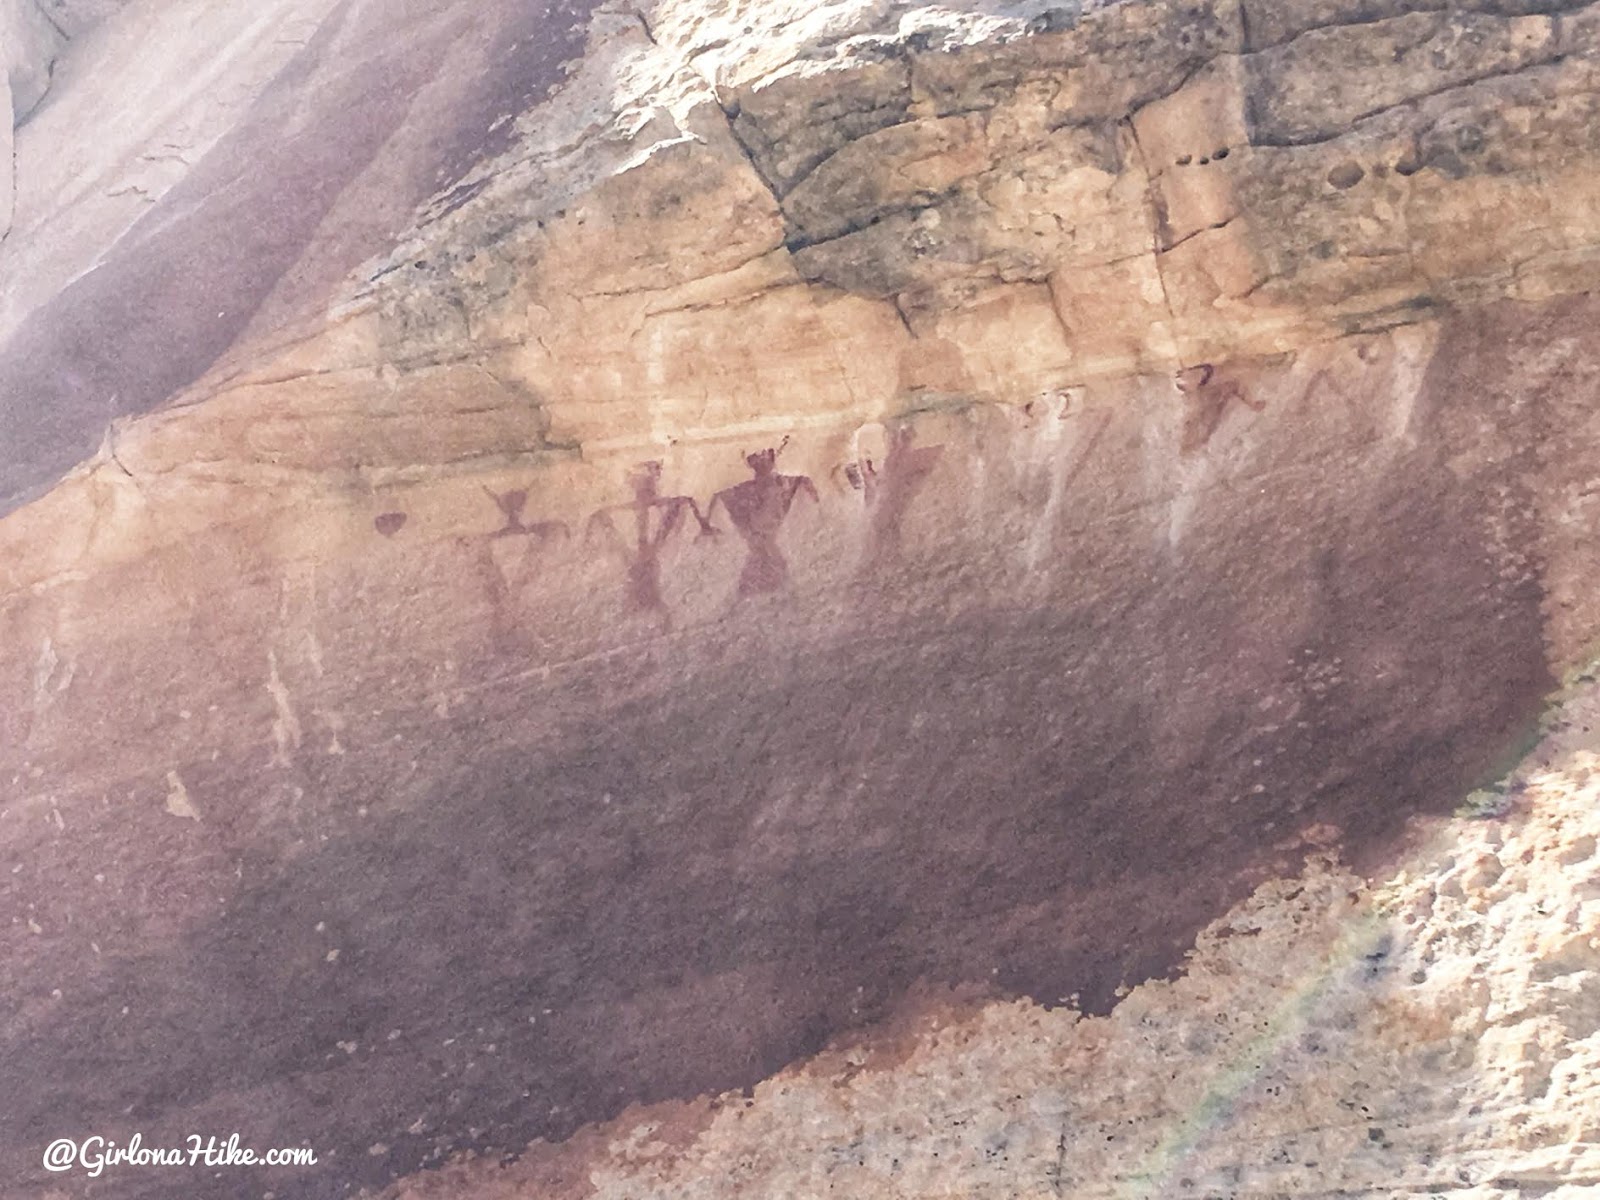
(799, 518)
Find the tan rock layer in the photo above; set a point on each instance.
(776, 543)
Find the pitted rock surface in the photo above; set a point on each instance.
(564, 564)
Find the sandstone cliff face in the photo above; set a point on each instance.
(561, 558)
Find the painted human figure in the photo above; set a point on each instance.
(889, 491)
(502, 574)
(511, 505)
(758, 507)
(1206, 402)
(655, 519)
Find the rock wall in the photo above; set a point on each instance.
(805, 520)
(1431, 1032)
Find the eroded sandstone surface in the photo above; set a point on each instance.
(564, 559)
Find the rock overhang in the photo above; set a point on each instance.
(1015, 665)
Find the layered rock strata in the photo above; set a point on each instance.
(801, 510)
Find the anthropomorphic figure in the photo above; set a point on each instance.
(511, 505)
(503, 570)
(655, 519)
(758, 507)
(1206, 400)
(889, 491)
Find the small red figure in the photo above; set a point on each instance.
(511, 505)
(758, 508)
(1206, 403)
(497, 585)
(650, 533)
(890, 492)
